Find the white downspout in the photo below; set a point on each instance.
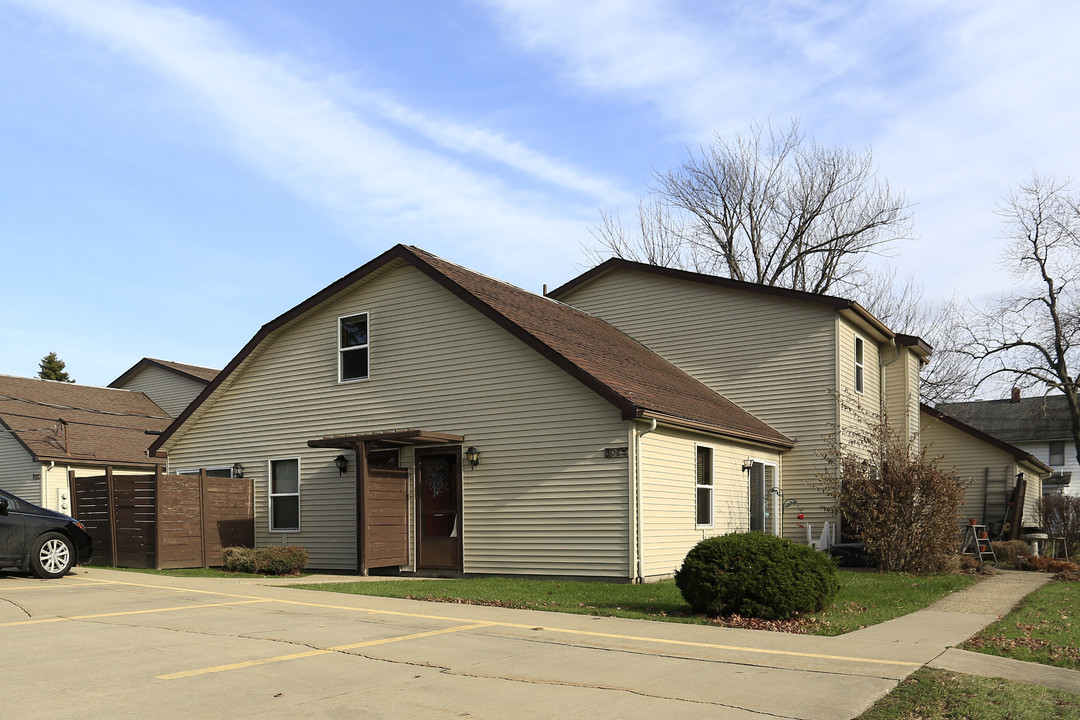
(45, 484)
(640, 520)
(881, 377)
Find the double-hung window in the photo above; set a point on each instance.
(859, 371)
(1057, 452)
(704, 486)
(285, 495)
(353, 347)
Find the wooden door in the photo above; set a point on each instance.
(438, 510)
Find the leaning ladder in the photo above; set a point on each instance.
(972, 544)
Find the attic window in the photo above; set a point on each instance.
(859, 364)
(353, 347)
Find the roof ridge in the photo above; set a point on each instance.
(64, 383)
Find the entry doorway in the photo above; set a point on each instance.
(438, 509)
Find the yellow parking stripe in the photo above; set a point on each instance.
(48, 586)
(313, 653)
(130, 612)
(566, 631)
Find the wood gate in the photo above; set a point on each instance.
(163, 521)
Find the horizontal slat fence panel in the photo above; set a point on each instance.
(164, 521)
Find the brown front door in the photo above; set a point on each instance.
(439, 509)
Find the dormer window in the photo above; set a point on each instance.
(859, 371)
(353, 347)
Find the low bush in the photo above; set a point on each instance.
(756, 575)
(1007, 551)
(265, 561)
(1060, 515)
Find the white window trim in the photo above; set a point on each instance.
(195, 471)
(775, 519)
(271, 495)
(712, 487)
(340, 350)
(859, 366)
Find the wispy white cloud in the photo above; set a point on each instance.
(286, 119)
(958, 100)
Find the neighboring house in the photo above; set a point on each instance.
(171, 385)
(1038, 425)
(989, 465)
(49, 428)
(356, 411)
(786, 356)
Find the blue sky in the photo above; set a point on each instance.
(174, 175)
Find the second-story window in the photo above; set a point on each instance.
(1057, 452)
(859, 370)
(353, 347)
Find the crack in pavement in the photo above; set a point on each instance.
(7, 600)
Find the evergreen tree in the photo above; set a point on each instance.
(52, 368)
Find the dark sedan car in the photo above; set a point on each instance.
(45, 542)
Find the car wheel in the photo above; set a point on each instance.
(51, 556)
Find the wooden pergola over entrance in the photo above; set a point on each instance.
(382, 521)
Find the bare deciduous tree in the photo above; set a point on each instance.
(1030, 337)
(772, 207)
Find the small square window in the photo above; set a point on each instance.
(1057, 452)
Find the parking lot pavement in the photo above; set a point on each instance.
(106, 644)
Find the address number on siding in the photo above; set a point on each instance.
(619, 452)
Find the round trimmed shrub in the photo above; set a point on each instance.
(756, 575)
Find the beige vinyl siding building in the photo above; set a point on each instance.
(19, 473)
(670, 527)
(989, 466)
(781, 355)
(526, 381)
(902, 390)
(171, 385)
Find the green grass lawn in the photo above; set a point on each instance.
(939, 695)
(1044, 629)
(865, 598)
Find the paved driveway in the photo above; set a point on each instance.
(106, 644)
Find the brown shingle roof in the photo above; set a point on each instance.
(101, 425)
(623, 371)
(194, 372)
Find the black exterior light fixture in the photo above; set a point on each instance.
(472, 455)
(342, 464)
(238, 469)
(747, 465)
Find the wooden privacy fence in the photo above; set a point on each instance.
(163, 521)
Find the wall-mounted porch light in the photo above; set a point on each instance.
(472, 455)
(342, 464)
(238, 469)
(747, 465)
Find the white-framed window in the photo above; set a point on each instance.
(764, 497)
(1057, 452)
(704, 486)
(859, 368)
(353, 347)
(210, 471)
(284, 483)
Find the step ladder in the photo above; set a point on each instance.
(973, 544)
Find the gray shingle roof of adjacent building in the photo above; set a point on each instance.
(1029, 420)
